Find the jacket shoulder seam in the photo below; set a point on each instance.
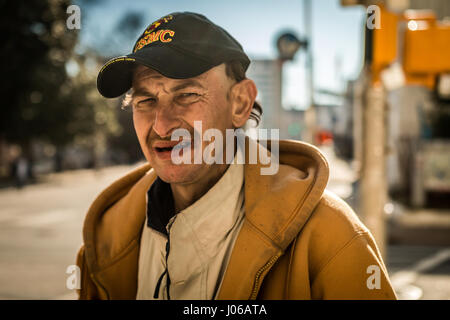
(353, 221)
(359, 234)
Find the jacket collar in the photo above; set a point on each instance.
(276, 209)
(124, 201)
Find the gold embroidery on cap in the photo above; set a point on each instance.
(116, 60)
(151, 35)
(157, 23)
(164, 35)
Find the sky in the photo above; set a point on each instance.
(337, 34)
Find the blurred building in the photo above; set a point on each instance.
(267, 75)
(440, 7)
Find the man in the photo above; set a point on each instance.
(223, 229)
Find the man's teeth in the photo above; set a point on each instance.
(161, 149)
(182, 145)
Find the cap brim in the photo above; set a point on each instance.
(115, 77)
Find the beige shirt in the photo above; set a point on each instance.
(201, 240)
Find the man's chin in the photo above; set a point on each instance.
(178, 174)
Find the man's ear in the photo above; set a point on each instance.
(243, 96)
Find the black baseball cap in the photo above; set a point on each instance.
(179, 45)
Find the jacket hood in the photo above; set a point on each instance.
(279, 205)
(276, 209)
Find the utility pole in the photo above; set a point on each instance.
(370, 126)
(373, 167)
(310, 113)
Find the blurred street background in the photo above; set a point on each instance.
(368, 82)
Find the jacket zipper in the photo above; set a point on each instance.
(166, 270)
(259, 273)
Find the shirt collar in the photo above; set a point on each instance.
(160, 204)
(213, 215)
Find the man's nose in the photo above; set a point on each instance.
(165, 121)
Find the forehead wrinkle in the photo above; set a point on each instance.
(141, 77)
(146, 84)
(141, 91)
(187, 83)
(144, 78)
(142, 73)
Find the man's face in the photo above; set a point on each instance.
(162, 105)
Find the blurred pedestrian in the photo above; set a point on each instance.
(20, 169)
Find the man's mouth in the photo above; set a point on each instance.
(182, 145)
(164, 148)
(158, 149)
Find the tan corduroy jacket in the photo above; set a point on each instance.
(298, 241)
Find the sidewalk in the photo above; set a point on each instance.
(418, 248)
(420, 227)
(40, 234)
(404, 225)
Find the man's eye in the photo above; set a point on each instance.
(149, 100)
(188, 97)
(145, 103)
